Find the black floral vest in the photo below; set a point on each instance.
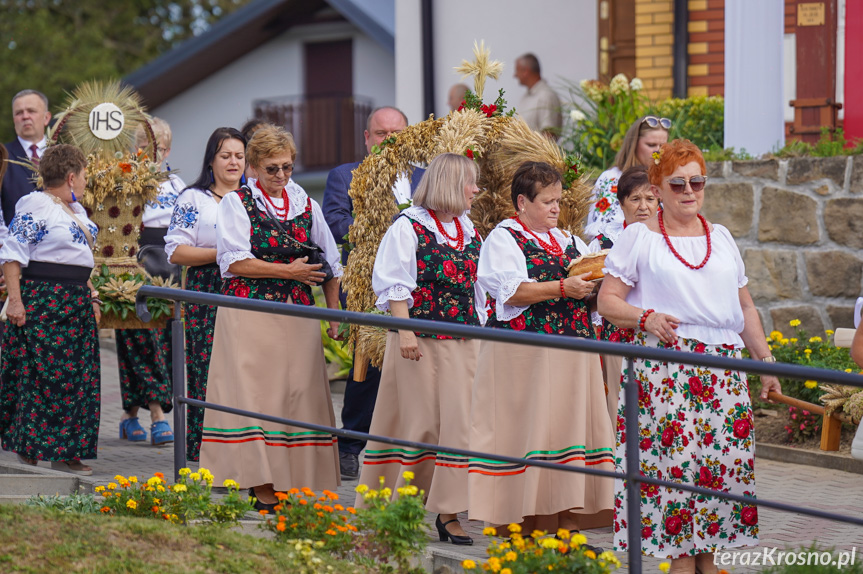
(270, 244)
(445, 280)
(558, 316)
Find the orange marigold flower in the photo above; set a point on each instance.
(281, 496)
(263, 512)
(159, 475)
(104, 509)
(155, 509)
(330, 532)
(294, 525)
(281, 527)
(294, 491)
(344, 518)
(339, 507)
(282, 519)
(351, 509)
(308, 491)
(341, 529)
(278, 507)
(317, 506)
(303, 502)
(320, 514)
(328, 508)
(352, 528)
(331, 495)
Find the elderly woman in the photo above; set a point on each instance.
(144, 355)
(638, 203)
(680, 282)
(426, 268)
(534, 402)
(266, 363)
(191, 241)
(642, 139)
(49, 404)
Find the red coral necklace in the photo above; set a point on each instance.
(281, 212)
(674, 251)
(552, 247)
(459, 232)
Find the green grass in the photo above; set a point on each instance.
(36, 540)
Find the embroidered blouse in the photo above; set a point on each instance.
(234, 227)
(706, 301)
(395, 273)
(605, 216)
(157, 213)
(193, 222)
(42, 231)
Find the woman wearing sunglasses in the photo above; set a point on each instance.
(679, 281)
(266, 232)
(605, 218)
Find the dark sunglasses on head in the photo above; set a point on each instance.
(696, 183)
(274, 169)
(654, 122)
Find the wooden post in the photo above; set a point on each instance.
(361, 367)
(830, 433)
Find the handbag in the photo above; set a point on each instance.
(155, 262)
(308, 249)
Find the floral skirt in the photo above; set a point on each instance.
(50, 382)
(200, 321)
(144, 362)
(695, 427)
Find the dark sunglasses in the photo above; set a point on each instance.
(696, 183)
(274, 169)
(654, 122)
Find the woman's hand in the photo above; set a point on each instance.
(769, 383)
(333, 331)
(299, 270)
(15, 312)
(663, 326)
(409, 345)
(97, 311)
(577, 286)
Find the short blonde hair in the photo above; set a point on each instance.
(442, 186)
(161, 130)
(270, 141)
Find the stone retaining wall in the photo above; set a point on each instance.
(799, 226)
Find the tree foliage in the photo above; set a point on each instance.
(53, 45)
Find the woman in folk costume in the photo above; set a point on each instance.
(426, 268)
(533, 402)
(191, 241)
(266, 232)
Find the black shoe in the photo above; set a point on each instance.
(258, 505)
(445, 534)
(350, 465)
(595, 549)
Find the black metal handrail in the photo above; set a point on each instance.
(632, 475)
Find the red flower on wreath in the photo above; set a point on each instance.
(469, 153)
(108, 251)
(518, 323)
(603, 204)
(132, 251)
(300, 234)
(128, 228)
(461, 106)
(126, 167)
(114, 212)
(488, 109)
(136, 210)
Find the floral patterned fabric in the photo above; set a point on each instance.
(269, 244)
(445, 280)
(144, 362)
(49, 394)
(200, 321)
(605, 211)
(695, 427)
(561, 316)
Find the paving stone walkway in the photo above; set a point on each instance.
(825, 489)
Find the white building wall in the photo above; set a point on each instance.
(273, 70)
(561, 33)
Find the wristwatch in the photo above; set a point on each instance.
(770, 359)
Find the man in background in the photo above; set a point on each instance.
(31, 116)
(540, 106)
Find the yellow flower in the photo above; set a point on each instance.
(102, 488)
(468, 564)
(793, 339)
(666, 566)
(204, 472)
(120, 478)
(847, 370)
(549, 543)
(776, 335)
(793, 323)
(537, 534)
(785, 341)
(494, 564)
(562, 533)
(362, 488)
(590, 554)
(807, 351)
(609, 557)
(489, 531)
(408, 475)
(810, 384)
(829, 332)
(411, 490)
(160, 488)
(180, 488)
(131, 504)
(370, 495)
(184, 471)
(514, 528)
(578, 539)
(133, 479)
(510, 556)
(111, 486)
(506, 571)
(154, 481)
(230, 484)
(195, 476)
(814, 339)
(386, 493)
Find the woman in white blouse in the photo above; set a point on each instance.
(426, 268)
(49, 401)
(534, 402)
(191, 241)
(679, 281)
(265, 234)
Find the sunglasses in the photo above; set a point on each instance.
(696, 183)
(654, 122)
(274, 169)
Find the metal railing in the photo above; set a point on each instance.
(631, 475)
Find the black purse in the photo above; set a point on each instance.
(154, 260)
(308, 249)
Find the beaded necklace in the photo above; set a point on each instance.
(674, 251)
(459, 232)
(552, 247)
(281, 212)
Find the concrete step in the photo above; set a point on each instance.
(26, 485)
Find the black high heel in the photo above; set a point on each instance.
(446, 535)
(258, 505)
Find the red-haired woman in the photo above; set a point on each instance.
(680, 282)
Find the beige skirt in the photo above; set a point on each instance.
(541, 404)
(424, 401)
(612, 365)
(270, 364)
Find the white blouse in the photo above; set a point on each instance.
(157, 213)
(395, 274)
(234, 227)
(193, 222)
(502, 264)
(42, 231)
(706, 301)
(605, 216)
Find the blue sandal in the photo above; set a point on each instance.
(160, 433)
(132, 430)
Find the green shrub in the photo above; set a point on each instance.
(700, 119)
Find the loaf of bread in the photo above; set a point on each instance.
(591, 263)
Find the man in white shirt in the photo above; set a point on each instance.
(540, 106)
(31, 116)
